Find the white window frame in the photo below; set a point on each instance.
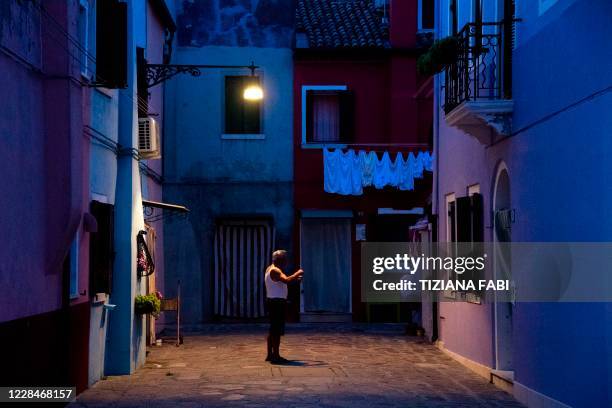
(74, 267)
(473, 189)
(544, 5)
(420, 19)
(305, 89)
(448, 199)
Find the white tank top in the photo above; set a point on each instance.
(275, 289)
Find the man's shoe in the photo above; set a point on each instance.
(280, 360)
(269, 357)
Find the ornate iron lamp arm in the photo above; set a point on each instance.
(158, 73)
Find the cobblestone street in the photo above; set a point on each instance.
(333, 366)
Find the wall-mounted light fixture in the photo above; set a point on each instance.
(253, 91)
(158, 73)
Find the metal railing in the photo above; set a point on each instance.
(482, 69)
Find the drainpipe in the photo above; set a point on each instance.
(436, 124)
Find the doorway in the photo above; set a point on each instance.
(502, 234)
(325, 254)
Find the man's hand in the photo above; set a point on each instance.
(299, 274)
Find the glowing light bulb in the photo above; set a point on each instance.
(253, 93)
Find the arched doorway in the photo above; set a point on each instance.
(502, 234)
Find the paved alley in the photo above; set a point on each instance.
(333, 366)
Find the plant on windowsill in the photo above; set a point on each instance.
(442, 53)
(148, 304)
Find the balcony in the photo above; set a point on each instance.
(478, 90)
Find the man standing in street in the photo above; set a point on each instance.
(276, 292)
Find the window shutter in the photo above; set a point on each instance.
(111, 44)
(347, 116)
(477, 218)
(309, 116)
(464, 219)
(508, 42)
(102, 249)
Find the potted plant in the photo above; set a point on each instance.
(148, 304)
(442, 53)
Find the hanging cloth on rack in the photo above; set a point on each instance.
(368, 164)
(406, 179)
(331, 164)
(382, 171)
(356, 173)
(427, 161)
(342, 172)
(417, 168)
(348, 173)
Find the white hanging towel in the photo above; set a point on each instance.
(428, 161)
(406, 179)
(368, 165)
(396, 167)
(382, 171)
(418, 166)
(357, 174)
(331, 164)
(342, 172)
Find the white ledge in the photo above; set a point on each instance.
(483, 119)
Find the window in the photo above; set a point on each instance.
(101, 249)
(83, 36)
(241, 116)
(111, 44)
(426, 15)
(465, 224)
(327, 114)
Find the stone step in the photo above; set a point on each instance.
(503, 379)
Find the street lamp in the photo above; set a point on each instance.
(253, 91)
(158, 73)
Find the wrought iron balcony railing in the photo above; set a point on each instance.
(482, 70)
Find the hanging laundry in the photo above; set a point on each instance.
(417, 170)
(348, 173)
(382, 171)
(368, 164)
(396, 166)
(356, 173)
(427, 161)
(341, 175)
(331, 164)
(406, 179)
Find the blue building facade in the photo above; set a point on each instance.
(228, 163)
(534, 146)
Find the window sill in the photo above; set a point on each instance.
(105, 92)
(240, 136)
(323, 146)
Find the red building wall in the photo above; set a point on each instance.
(388, 110)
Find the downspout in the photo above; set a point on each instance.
(436, 123)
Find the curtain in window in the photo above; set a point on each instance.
(326, 260)
(326, 118)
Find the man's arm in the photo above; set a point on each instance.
(277, 275)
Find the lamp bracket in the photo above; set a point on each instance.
(158, 73)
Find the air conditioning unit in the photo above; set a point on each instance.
(148, 138)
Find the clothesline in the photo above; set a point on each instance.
(385, 147)
(347, 173)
